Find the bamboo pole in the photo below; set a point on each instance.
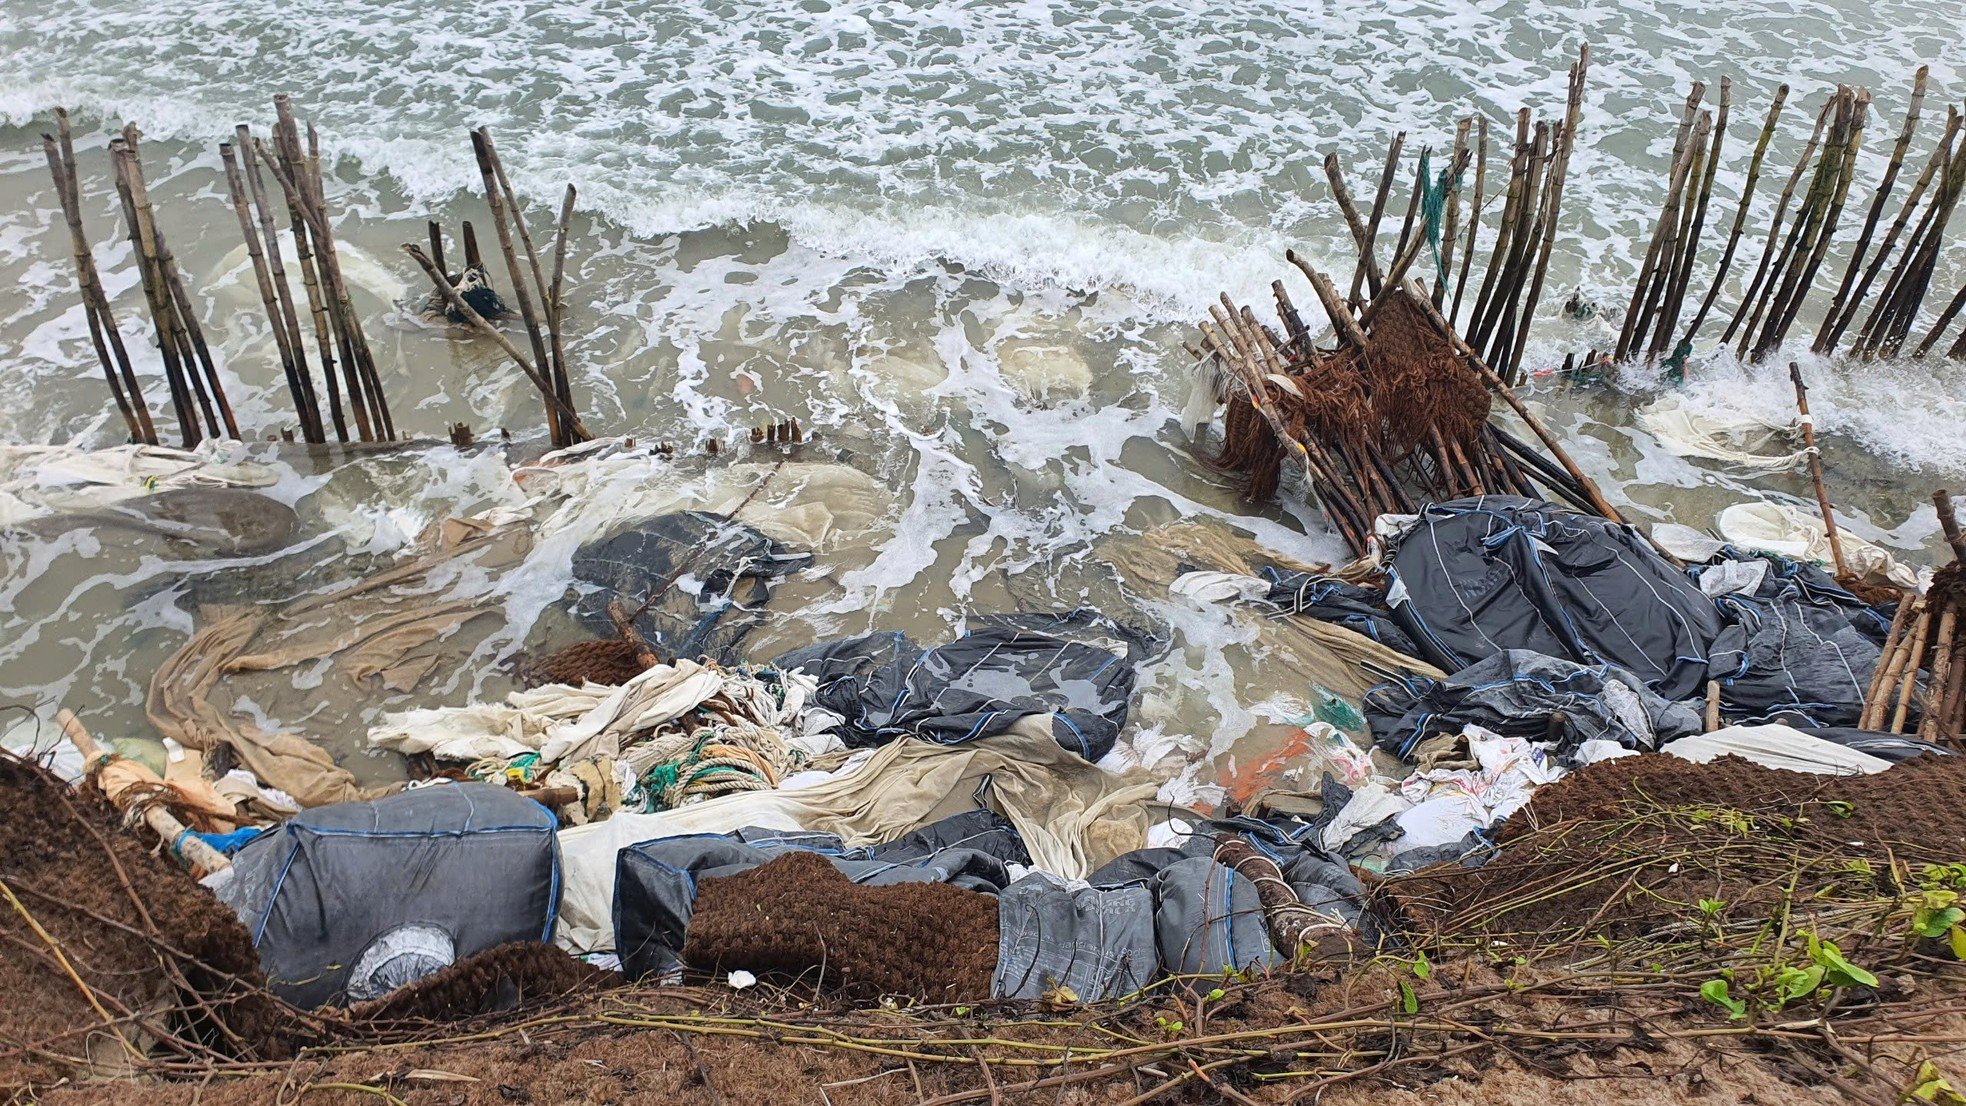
(351, 321)
(1643, 290)
(1841, 301)
(1816, 472)
(435, 231)
(487, 170)
(1368, 267)
(1474, 214)
(1945, 320)
(1801, 233)
(1515, 200)
(1892, 640)
(324, 338)
(1497, 332)
(1683, 278)
(1940, 156)
(163, 313)
(103, 332)
(1740, 214)
(1949, 525)
(1342, 323)
(247, 152)
(548, 310)
(560, 253)
(288, 166)
(1451, 220)
(297, 384)
(1884, 330)
(1796, 288)
(179, 298)
(178, 840)
(1935, 690)
(1753, 294)
(1920, 633)
(1560, 176)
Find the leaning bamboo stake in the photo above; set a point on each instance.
(103, 333)
(1841, 301)
(1498, 331)
(1935, 690)
(1474, 214)
(1800, 238)
(553, 300)
(178, 296)
(1940, 156)
(247, 152)
(289, 172)
(1368, 266)
(1676, 288)
(1340, 312)
(1816, 471)
(481, 146)
(1753, 294)
(1646, 286)
(187, 395)
(478, 323)
(1884, 329)
(1891, 664)
(1920, 634)
(1740, 214)
(1451, 219)
(1508, 395)
(297, 384)
(178, 839)
(1518, 198)
(548, 310)
(1892, 641)
(350, 320)
(1560, 176)
(1795, 288)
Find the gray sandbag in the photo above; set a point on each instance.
(1098, 942)
(350, 901)
(1208, 920)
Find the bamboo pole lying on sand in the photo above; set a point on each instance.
(178, 839)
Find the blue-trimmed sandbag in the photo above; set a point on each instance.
(350, 901)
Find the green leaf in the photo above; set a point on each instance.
(1958, 939)
(1215, 995)
(1422, 967)
(1715, 991)
(1408, 1001)
(1794, 984)
(1838, 970)
(1934, 923)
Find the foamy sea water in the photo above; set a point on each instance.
(964, 240)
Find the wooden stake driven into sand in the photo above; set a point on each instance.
(103, 332)
(1816, 472)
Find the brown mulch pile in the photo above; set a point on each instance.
(1624, 845)
(141, 936)
(798, 918)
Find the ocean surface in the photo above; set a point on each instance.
(965, 241)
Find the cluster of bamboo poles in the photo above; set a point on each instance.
(538, 296)
(197, 395)
(1368, 438)
(344, 370)
(1799, 237)
(1926, 635)
(1511, 286)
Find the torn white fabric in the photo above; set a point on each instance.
(1777, 747)
(1799, 535)
(1744, 442)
